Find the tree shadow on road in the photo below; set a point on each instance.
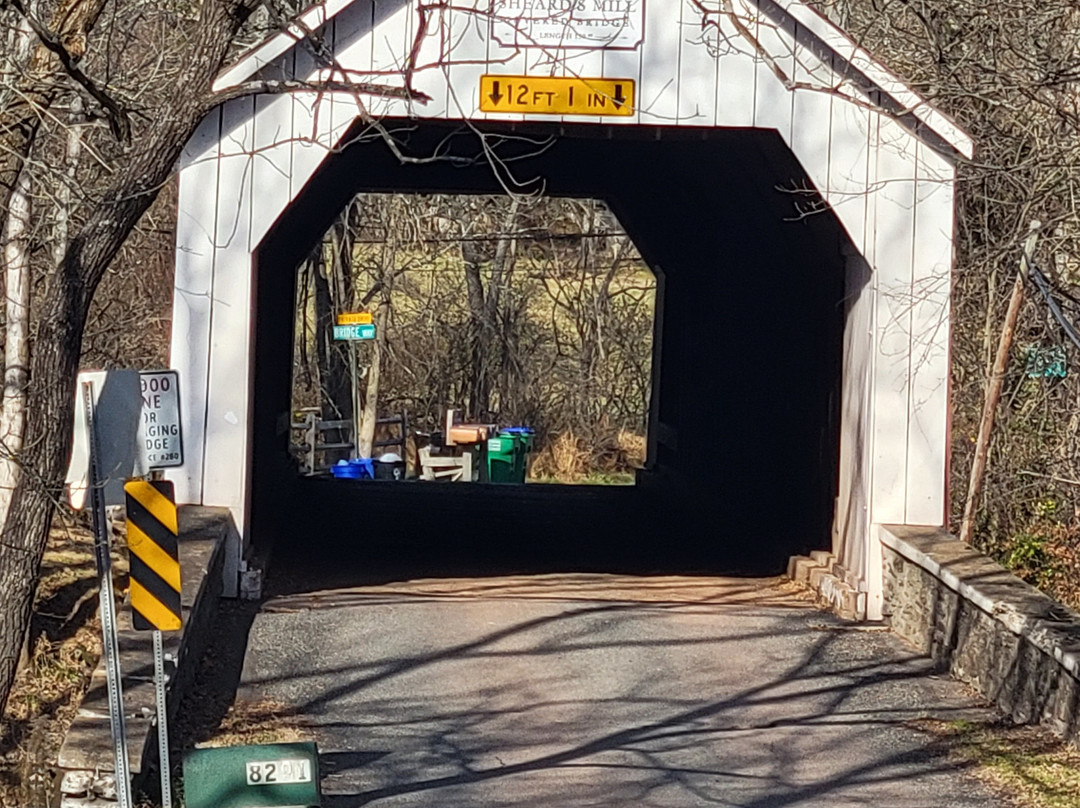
(827, 725)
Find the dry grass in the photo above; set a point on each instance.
(66, 646)
(255, 722)
(571, 459)
(566, 458)
(1032, 767)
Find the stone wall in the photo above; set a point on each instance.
(1016, 646)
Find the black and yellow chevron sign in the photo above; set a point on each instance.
(152, 549)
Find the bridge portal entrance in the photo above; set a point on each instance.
(745, 427)
(799, 231)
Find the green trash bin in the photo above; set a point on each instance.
(508, 454)
(503, 458)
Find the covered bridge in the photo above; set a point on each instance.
(794, 199)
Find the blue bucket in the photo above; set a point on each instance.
(359, 469)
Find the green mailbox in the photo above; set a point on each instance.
(275, 775)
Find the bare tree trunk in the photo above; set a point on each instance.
(477, 391)
(335, 382)
(37, 90)
(55, 360)
(17, 304)
(63, 191)
(993, 389)
(16, 257)
(504, 259)
(484, 312)
(370, 413)
(18, 42)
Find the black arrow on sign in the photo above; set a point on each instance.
(495, 95)
(619, 98)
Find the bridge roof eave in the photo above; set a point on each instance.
(944, 134)
(907, 100)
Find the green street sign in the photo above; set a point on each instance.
(355, 331)
(260, 776)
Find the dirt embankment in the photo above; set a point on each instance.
(63, 648)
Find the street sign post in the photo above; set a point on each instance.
(354, 331)
(159, 426)
(152, 529)
(107, 607)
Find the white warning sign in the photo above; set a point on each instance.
(161, 442)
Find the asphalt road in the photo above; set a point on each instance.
(594, 690)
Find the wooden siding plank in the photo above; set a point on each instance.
(736, 74)
(189, 348)
(389, 52)
(852, 516)
(658, 69)
(471, 49)
(773, 100)
(354, 39)
(230, 345)
(928, 434)
(697, 70)
(627, 64)
(391, 34)
(311, 122)
(272, 164)
(812, 117)
(428, 78)
(849, 139)
(893, 195)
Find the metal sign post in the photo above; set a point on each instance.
(353, 326)
(107, 604)
(162, 721)
(153, 547)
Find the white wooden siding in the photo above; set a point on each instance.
(891, 192)
(928, 447)
(893, 198)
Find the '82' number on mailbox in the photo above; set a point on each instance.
(277, 772)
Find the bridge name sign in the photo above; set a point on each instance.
(601, 24)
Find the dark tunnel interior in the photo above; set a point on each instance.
(747, 366)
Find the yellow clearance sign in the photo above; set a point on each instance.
(556, 95)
